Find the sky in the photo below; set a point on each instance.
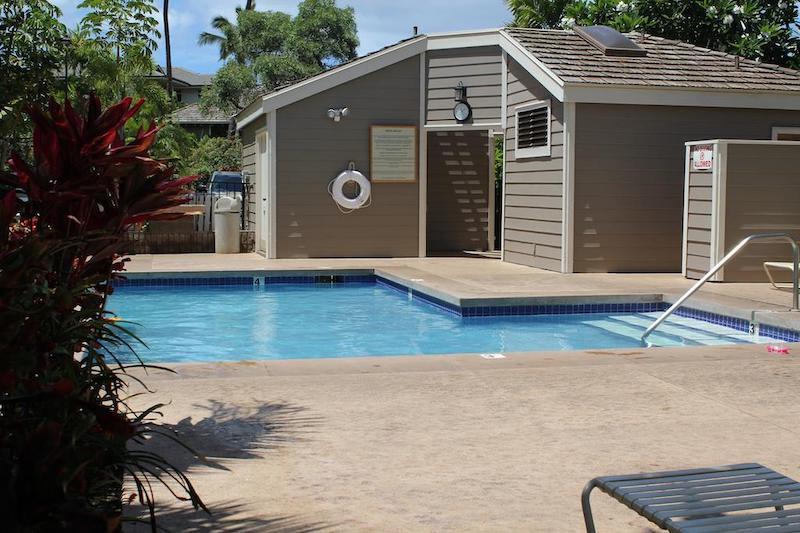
(380, 22)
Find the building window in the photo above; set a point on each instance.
(533, 130)
(783, 133)
(179, 96)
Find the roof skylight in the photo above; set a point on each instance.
(609, 41)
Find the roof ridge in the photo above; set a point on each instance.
(539, 30)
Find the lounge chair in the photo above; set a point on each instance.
(746, 497)
(768, 265)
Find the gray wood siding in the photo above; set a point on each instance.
(533, 186)
(762, 195)
(247, 136)
(478, 69)
(312, 150)
(458, 191)
(698, 235)
(629, 172)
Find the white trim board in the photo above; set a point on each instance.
(687, 165)
(568, 192)
(468, 39)
(744, 141)
(464, 127)
(272, 182)
(490, 200)
(533, 152)
(504, 125)
(718, 186)
(253, 111)
(504, 90)
(422, 239)
(261, 179)
(777, 130)
(679, 96)
(536, 68)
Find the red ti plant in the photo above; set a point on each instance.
(65, 426)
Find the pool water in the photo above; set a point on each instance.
(239, 322)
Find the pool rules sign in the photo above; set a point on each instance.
(393, 154)
(702, 157)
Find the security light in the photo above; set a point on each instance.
(336, 114)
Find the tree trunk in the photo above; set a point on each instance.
(168, 48)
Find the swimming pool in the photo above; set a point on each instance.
(302, 321)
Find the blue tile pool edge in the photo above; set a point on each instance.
(201, 281)
(738, 324)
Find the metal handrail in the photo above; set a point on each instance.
(730, 255)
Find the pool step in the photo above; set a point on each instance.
(677, 330)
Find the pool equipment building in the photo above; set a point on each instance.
(594, 124)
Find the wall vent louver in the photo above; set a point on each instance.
(533, 128)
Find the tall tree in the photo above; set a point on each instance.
(324, 34)
(113, 51)
(167, 47)
(228, 37)
(764, 30)
(271, 48)
(538, 13)
(32, 50)
(123, 24)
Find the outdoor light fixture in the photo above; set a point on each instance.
(336, 114)
(461, 92)
(462, 111)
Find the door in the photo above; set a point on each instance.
(458, 192)
(262, 192)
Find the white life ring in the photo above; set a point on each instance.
(337, 189)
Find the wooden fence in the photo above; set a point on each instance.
(143, 242)
(196, 234)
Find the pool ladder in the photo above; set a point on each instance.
(733, 253)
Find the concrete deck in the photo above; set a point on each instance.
(462, 443)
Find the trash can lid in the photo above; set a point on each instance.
(227, 204)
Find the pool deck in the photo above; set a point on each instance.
(463, 443)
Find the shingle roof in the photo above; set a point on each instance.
(191, 114)
(182, 75)
(667, 64)
(191, 78)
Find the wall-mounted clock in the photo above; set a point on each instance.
(462, 111)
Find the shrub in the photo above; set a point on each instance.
(65, 425)
(215, 153)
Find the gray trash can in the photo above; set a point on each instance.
(226, 225)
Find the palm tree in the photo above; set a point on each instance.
(538, 13)
(228, 37)
(168, 48)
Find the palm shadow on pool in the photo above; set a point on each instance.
(230, 432)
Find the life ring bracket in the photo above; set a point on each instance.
(351, 175)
